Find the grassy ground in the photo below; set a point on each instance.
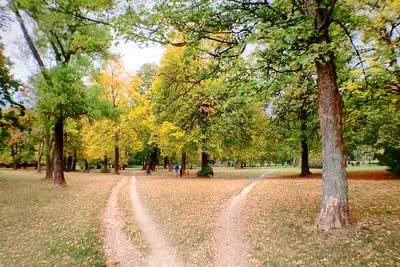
(46, 226)
(280, 217)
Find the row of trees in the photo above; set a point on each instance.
(239, 80)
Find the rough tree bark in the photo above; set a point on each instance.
(59, 179)
(334, 211)
(39, 156)
(171, 165)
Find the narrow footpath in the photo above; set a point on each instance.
(231, 248)
(161, 253)
(117, 247)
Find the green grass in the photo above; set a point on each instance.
(46, 226)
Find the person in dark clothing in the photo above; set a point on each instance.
(181, 172)
(86, 169)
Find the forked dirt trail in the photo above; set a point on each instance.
(117, 247)
(231, 248)
(162, 254)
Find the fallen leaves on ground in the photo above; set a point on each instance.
(280, 228)
(187, 209)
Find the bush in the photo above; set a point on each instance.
(315, 163)
(206, 172)
(105, 170)
(391, 158)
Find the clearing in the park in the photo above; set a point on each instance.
(248, 217)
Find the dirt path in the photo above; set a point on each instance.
(162, 254)
(231, 248)
(117, 247)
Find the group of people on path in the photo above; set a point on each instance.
(180, 169)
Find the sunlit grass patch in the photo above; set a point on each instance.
(46, 226)
(280, 228)
(187, 209)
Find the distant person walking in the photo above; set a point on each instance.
(86, 169)
(176, 168)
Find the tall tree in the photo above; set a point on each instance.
(69, 38)
(288, 26)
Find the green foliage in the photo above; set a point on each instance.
(10, 110)
(205, 172)
(315, 162)
(391, 158)
(63, 95)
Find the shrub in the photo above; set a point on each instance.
(391, 158)
(105, 170)
(206, 172)
(315, 163)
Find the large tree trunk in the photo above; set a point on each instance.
(116, 161)
(59, 179)
(334, 211)
(305, 169)
(204, 160)
(171, 165)
(184, 161)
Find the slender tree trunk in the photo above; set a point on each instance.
(14, 154)
(184, 161)
(238, 164)
(171, 165)
(59, 179)
(144, 161)
(204, 160)
(27, 37)
(39, 156)
(74, 161)
(69, 163)
(154, 159)
(49, 172)
(105, 163)
(116, 161)
(334, 211)
(305, 169)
